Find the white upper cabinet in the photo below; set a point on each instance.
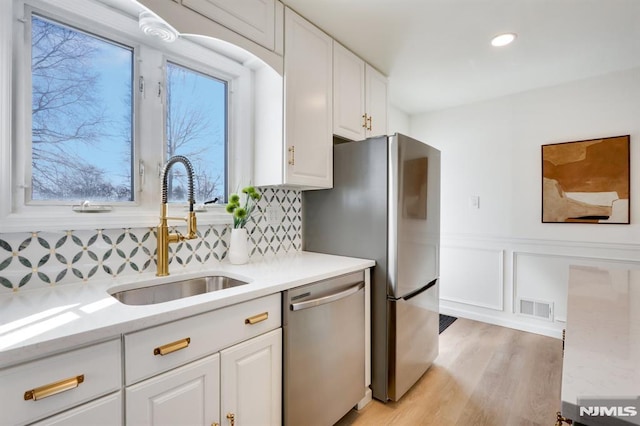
(360, 97)
(376, 102)
(349, 119)
(254, 19)
(308, 104)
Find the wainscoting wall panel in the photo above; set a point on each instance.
(540, 276)
(472, 276)
(484, 278)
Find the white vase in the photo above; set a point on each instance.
(238, 247)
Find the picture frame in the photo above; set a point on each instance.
(587, 181)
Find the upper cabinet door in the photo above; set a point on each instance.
(349, 120)
(359, 97)
(376, 105)
(254, 19)
(308, 87)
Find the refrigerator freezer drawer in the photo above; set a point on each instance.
(413, 339)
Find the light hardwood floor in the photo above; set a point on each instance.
(485, 375)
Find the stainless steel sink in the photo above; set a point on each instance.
(176, 290)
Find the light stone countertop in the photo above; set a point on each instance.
(602, 345)
(38, 322)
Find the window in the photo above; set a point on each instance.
(97, 108)
(195, 121)
(81, 113)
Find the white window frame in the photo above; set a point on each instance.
(22, 169)
(148, 112)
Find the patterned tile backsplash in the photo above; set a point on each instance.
(42, 259)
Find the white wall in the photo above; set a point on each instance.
(398, 121)
(497, 253)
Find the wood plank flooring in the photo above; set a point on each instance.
(485, 375)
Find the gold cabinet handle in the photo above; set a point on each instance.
(232, 419)
(292, 155)
(257, 318)
(370, 120)
(53, 388)
(172, 347)
(364, 120)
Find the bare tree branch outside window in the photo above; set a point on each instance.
(78, 151)
(195, 128)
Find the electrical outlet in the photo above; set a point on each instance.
(273, 215)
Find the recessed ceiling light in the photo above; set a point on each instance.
(503, 39)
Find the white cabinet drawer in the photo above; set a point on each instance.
(154, 350)
(106, 411)
(96, 369)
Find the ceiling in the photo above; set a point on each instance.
(437, 53)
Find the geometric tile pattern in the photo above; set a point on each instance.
(44, 259)
(283, 236)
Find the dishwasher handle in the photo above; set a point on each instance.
(327, 299)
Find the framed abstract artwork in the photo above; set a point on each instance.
(586, 181)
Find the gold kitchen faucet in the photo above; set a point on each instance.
(164, 237)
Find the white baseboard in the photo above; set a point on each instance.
(364, 401)
(551, 330)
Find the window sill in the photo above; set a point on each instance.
(64, 220)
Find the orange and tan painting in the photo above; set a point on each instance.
(586, 181)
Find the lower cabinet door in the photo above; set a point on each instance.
(251, 386)
(188, 395)
(105, 411)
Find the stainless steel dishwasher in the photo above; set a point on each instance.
(323, 325)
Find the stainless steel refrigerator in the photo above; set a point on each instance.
(385, 205)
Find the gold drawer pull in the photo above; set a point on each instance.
(172, 347)
(257, 318)
(54, 388)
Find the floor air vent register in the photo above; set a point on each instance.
(536, 309)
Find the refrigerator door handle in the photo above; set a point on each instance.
(420, 290)
(327, 299)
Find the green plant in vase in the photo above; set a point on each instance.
(242, 211)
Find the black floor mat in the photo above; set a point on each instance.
(446, 321)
